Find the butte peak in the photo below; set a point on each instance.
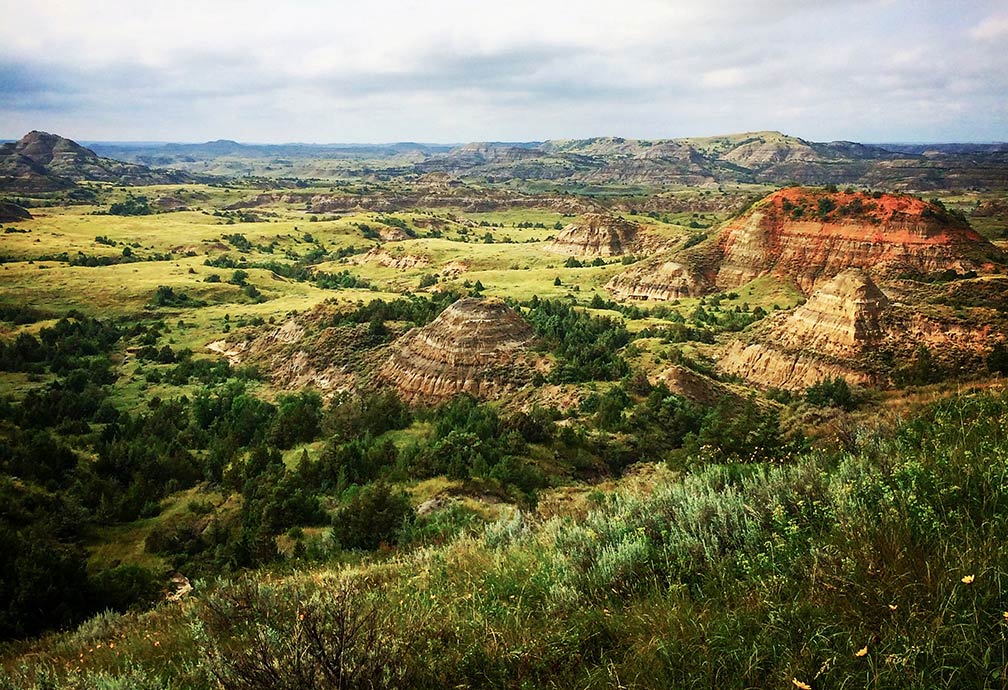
(477, 346)
(810, 235)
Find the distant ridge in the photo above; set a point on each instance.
(757, 157)
(43, 162)
(173, 153)
(764, 157)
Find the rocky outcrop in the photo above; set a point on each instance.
(840, 319)
(475, 346)
(43, 162)
(658, 280)
(694, 386)
(387, 233)
(400, 261)
(794, 371)
(809, 236)
(597, 235)
(824, 338)
(670, 274)
(11, 213)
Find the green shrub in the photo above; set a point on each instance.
(374, 516)
(997, 360)
(257, 637)
(125, 587)
(831, 393)
(131, 206)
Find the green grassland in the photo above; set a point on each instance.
(594, 516)
(191, 237)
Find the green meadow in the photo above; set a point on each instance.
(336, 536)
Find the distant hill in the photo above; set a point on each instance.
(767, 157)
(43, 162)
(170, 154)
(932, 149)
(226, 158)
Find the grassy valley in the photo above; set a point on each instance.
(336, 427)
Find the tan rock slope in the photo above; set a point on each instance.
(475, 346)
(824, 338)
(658, 279)
(299, 354)
(597, 235)
(399, 259)
(696, 387)
(670, 275)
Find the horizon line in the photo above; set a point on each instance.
(159, 142)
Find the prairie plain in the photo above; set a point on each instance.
(430, 429)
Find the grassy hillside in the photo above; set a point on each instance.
(881, 566)
(632, 509)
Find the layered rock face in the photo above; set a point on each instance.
(657, 280)
(821, 339)
(476, 346)
(810, 236)
(597, 235)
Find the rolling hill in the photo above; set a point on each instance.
(43, 162)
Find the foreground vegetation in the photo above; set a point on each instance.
(882, 566)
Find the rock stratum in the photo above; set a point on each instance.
(475, 346)
(598, 234)
(658, 279)
(809, 236)
(822, 339)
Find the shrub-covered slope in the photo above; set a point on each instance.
(882, 567)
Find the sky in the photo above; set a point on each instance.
(517, 70)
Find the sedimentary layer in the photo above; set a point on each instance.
(597, 234)
(476, 346)
(824, 338)
(809, 236)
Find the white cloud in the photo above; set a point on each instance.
(991, 28)
(451, 70)
(724, 78)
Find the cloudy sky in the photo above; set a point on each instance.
(465, 70)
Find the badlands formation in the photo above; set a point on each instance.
(476, 346)
(597, 235)
(808, 236)
(822, 339)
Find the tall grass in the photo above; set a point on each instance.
(883, 567)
